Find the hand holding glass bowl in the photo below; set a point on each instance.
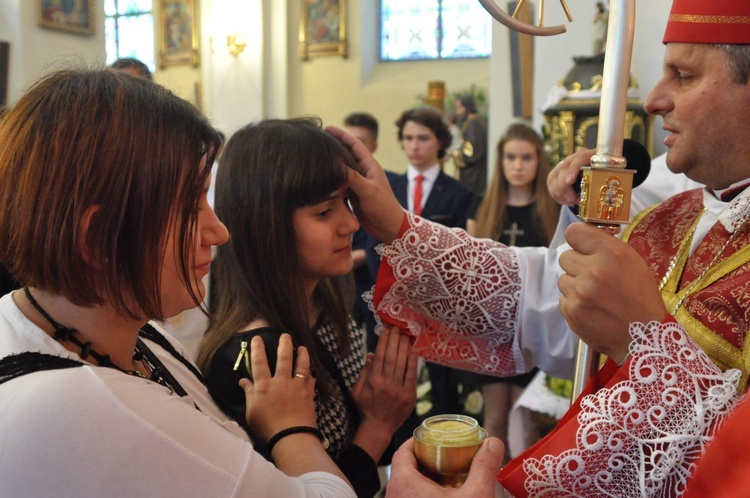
(445, 445)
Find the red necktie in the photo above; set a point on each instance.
(418, 195)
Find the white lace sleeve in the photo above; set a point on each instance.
(642, 436)
(459, 296)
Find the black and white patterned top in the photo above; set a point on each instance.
(337, 418)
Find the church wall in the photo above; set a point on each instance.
(331, 87)
(183, 80)
(233, 86)
(35, 50)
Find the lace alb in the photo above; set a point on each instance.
(457, 288)
(641, 437)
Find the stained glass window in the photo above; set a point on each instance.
(433, 29)
(129, 30)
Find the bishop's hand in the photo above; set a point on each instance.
(606, 287)
(374, 203)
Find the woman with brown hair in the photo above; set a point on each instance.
(104, 219)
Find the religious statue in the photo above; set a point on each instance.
(610, 199)
(583, 203)
(600, 28)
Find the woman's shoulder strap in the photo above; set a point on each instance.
(16, 365)
(150, 333)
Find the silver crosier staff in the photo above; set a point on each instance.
(606, 175)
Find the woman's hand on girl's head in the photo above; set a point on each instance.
(562, 177)
(283, 400)
(375, 205)
(386, 391)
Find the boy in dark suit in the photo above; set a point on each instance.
(427, 191)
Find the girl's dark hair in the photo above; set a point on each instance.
(79, 142)
(490, 219)
(266, 172)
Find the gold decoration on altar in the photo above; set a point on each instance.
(573, 122)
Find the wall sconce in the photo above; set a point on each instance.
(236, 44)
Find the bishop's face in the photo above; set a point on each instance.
(706, 114)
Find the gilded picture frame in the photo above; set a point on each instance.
(322, 28)
(72, 17)
(178, 33)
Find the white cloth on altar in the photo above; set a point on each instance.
(539, 398)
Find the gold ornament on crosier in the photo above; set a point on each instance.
(610, 205)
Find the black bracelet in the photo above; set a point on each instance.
(295, 430)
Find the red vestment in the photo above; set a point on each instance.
(642, 432)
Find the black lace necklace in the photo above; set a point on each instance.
(155, 370)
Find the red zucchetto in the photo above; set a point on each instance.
(709, 21)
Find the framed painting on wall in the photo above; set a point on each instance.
(322, 28)
(178, 32)
(4, 56)
(73, 17)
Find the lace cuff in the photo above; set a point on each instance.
(458, 295)
(641, 434)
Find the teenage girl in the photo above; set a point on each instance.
(282, 193)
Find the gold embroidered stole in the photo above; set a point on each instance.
(714, 301)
